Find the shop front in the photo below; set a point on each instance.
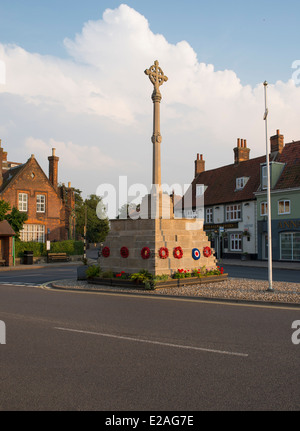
(285, 240)
(226, 239)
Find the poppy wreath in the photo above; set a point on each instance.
(124, 252)
(106, 252)
(207, 251)
(163, 252)
(177, 252)
(145, 253)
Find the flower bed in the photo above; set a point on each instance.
(144, 280)
(179, 282)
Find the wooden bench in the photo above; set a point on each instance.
(58, 257)
(2, 262)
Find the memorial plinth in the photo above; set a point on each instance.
(157, 235)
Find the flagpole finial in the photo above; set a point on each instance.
(265, 83)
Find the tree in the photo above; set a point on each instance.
(4, 208)
(130, 210)
(86, 211)
(15, 218)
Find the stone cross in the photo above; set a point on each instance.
(157, 78)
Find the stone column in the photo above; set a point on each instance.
(156, 207)
(157, 78)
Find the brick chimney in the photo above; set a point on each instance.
(199, 165)
(277, 142)
(53, 168)
(1, 164)
(241, 152)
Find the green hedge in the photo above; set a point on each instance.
(70, 247)
(39, 249)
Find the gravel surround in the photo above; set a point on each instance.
(232, 288)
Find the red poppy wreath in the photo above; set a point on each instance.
(207, 251)
(145, 253)
(177, 252)
(163, 252)
(105, 252)
(124, 252)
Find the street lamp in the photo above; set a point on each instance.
(270, 288)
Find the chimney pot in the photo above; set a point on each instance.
(53, 168)
(1, 164)
(277, 142)
(241, 152)
(199, 165)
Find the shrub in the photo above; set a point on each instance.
(107, 274)
(92, 271)
(181, 273)
(163, 277)
(69, 246)
(39, 249)
(142, 276)
(122, 275)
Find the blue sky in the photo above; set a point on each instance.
(74, 81)
(257, 39)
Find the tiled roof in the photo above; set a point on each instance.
(6, 229)
(9, 175)
(290, 176)
(221, 183)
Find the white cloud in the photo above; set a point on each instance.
(81, 157)
(95, 107)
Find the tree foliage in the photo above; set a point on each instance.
(14, 217)
(4, 208)
(89, 211)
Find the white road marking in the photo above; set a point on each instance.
(178, 346)
(18, 284)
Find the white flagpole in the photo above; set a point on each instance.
(270, 289)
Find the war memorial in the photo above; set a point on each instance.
(156, 241)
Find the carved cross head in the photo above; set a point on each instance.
(156, 75)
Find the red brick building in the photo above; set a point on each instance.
(50, 208)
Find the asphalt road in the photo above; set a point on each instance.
(38, 275)
(107, 352)
(262, 273)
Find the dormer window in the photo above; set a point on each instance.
(241, 182)
(200, 189)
